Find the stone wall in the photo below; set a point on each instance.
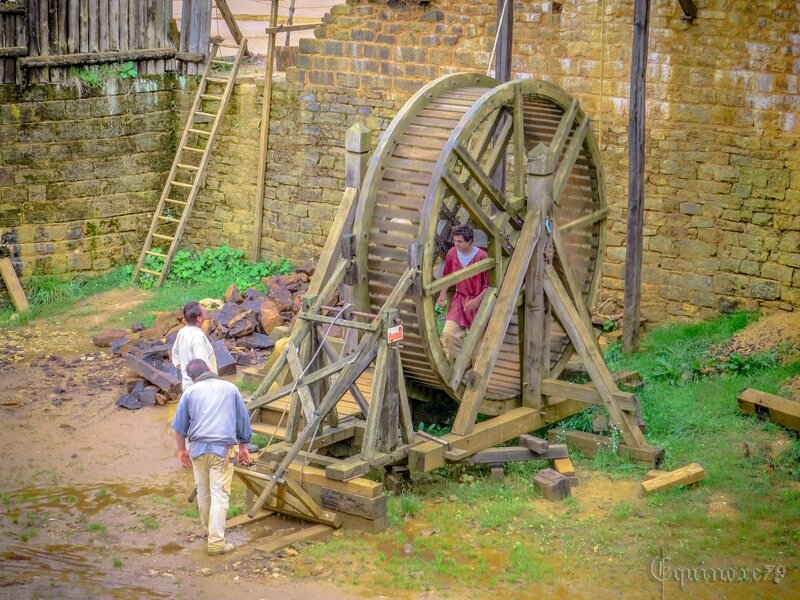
(79, 173)
(79, 176)
(722, 225)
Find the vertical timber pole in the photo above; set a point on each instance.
(357, 146)
(502, 68)
(536, 347)
(633, 243)
(258, 210)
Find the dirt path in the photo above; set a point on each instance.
(91, 495)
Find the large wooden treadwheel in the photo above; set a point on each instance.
(456, 153)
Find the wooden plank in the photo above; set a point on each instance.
(94, 58)
(13, 286)
(687, 475)
(552, 484)
(306, 401)
(689, 9)
(589, 444)
(243, 519)
(534, 443)
(779, 410)
(505, 454)
(636, 166)
(587, 392)
(356, 466)
(308, 474)
(342, 502)
(481, 266)
(498, 323)
(276, 543)
(430, 455)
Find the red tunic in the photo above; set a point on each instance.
(465, 290)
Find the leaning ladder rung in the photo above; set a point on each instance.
(179, 184)
(180, 202)
(234, 46)
(170, 219)
(221, 62)
(200, 132)
(158, 254)
(210, 97)
(217, 79)
(194, 149)
(188, 167)
(205, 114)
(157, 273)
(163, 237)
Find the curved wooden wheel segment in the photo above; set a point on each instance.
(456, 153)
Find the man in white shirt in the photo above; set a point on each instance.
(192, 343)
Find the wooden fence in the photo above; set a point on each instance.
(41, 40)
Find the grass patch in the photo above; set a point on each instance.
(95, 527)
(148, 522)
(116, 563)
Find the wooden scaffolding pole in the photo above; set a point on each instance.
(258, 211)
(633, 244)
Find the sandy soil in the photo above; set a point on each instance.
(91, 494)
(92, 497)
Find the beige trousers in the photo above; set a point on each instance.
(453, 339)
(213, 475)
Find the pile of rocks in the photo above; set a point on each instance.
(239, 328)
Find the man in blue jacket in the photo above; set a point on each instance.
(213, 418)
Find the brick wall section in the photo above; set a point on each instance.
(78, 174)
(722, 225)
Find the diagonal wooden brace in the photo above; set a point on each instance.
(593, 361)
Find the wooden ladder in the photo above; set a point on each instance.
(187, 175)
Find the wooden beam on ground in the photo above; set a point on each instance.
(636, 164)
(671, 479)
(244, 519)
(505, 454)
(498, 324)
(273, 544)
(431, 455)
(589, 444)
(779, 410)
(13, 286)
(95, 58)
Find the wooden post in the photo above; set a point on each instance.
(502, 69)
(633, 244)
(9, 276)
(535, 359)
(357, 146)
(505, 24)
(258, 211)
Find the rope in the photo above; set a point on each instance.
(497, 37)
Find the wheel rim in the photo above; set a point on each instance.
(424, 155)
